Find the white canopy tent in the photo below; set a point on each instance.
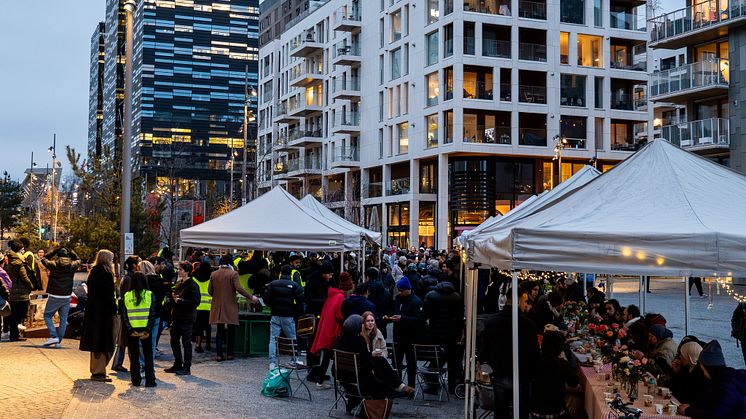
(663, 211)
(273, 221)
(317, 208)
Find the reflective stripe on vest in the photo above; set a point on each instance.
(33, 260)
(235, 262)
(138, 314)
(205, 299)
(292, 276)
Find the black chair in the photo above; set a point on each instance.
(347, 380)
(430, 365)
(289, 347)
(391, 349)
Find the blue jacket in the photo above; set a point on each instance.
(356, 304)
(724, 397)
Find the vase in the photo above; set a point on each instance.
(632, 390)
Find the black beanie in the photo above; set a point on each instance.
(712, 355)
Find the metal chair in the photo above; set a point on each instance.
(430, 363)
(391, 349)
(347, 379)
(289, 347)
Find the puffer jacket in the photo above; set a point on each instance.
(283, 296)
(22, 285)
(427, 283)
(61, 273)
(444, 311)
(380, 297)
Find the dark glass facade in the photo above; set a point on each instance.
(113, 89)
(96, 92)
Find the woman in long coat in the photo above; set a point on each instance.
(329, 327)
(100, 313)
(224, 285)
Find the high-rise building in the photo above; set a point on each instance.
(276, 16)
(96, 92)
(422, 119)
(696, 86)
(113, 76)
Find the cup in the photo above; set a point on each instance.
(658, 409)
(608, 396)
(648, 400)
(672, 409)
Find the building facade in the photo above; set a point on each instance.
(697, 91)
(422, 119)
(113, 89)
(96, 92)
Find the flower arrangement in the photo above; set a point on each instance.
(577, 311)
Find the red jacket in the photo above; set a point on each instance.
(330, 324)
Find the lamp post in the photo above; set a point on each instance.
(129, 8)
(31, 183)
(247, 117)
(53, 149)
(560, 143)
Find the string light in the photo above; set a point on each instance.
(725, 283)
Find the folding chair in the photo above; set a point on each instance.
(391, 349)
(304, 329)
(289, 347)
(430, 363)
(347, 380)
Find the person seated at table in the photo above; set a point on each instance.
(534, 290)
(596, 306)
(663, 350)
(724, 390)
(687, 379)
(376, 344)
(548, 312)
(613, 312)
(631, 315)
(555, 379)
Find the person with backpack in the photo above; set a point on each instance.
(59, 289)
(19, 291)
(738, 326)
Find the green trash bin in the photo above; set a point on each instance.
(241, 344)
(258, 331)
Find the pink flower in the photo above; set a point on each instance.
(636, 363)
(615, 325)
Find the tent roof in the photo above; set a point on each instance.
(663, 211)
(273, 221)
(321, 211)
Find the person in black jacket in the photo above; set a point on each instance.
(59, 289)
(285, 297)
(408, 318)
(19, 291)
(186, 297)
(429, 280)
(379, 296)
(317, 288)
(358, 302)
(444, 311)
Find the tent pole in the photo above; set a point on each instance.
(341, 261)
(609, 287)
(470, 380)
(643, 308)
(361, 258)
(642, 291)
(461, 275)
(686, 305)
(516, 379)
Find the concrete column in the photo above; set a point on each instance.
(736, 95)
(414, 203)
(441, 215)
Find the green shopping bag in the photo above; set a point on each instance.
(276, 383)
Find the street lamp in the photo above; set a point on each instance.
(248, 116)
(53, 149)
(129, 8)
(560, 143)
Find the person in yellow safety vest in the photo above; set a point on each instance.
(138, 315)
(202, 329)
(243, 267)
(30, 259)
(295, 262)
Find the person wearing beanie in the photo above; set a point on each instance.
(724, 389)
(663, 349)
(409, 322)
(379, 295)
(345, 282)
(429, 280)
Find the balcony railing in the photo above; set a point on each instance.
(495, 48)
(690, 76)
(532, 52)
(634, 60)
(696, 17)
(628, 102)
(347, 118)
(533, 136)
(334, 195)
(492, 7)
(478, 90)
(373, 190)
(532, 94)
(578, 143)
(298, 134)
(346, 84)
(349, 154)
(397, 187)
(494, 135)
(448, 48)
(627, 143)
(505, 91)
(431, 101)
(343, 49)
(628, 21)
(532, 10)
(347, 15)
(699, 134)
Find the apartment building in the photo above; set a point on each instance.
(696, 93)
(422, 118)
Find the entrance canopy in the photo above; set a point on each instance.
(663, 211)
(274, 221)
(319, 210)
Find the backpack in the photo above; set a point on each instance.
(276, 383)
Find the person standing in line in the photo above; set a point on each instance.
(131, 265)
(186, 298)
(696, 281)
(223, 287)
(19, 291)
(59, 289)
(738, 326)
(32, 265)
(329, 327)
(285, 297)
(138, 315)
(202, 328)
(5, 285)
(444, 310)
(156, 286)
(100, 314)
(409, 322)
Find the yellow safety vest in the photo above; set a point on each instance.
(205, 299)
(244, 281)
(138, 314)
(292, 277)
(235, 262)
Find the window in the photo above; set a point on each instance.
(432, 130)
(495, 41)
(396, 63)
(403, 134)
(532, 129)
(431, 41)
(428, 177)
(572, 90)
(572, 11)
(469, 38)
(432, 88)
(405, 57)
(505, 86)
(448, 40)
(589, 51)
(448, 7)
(599, 92)
(395, 26)
(532, 86)
(448, 76)
(573, 129)
(380, 33)
(426, 227)
(380, 143)
(433, 11)
(491, 127)
(478, 82)
(380, 106)
(598, 15)
(448, 127)
(599, 133)
(564, 48)
(405, 99)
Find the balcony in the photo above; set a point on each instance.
(628, 21)
(334, 195)
(373, 190)
(280, 143)
(346, 123)
(397, 187)
(532, 10)
(348, 21)
(306, 75)
(493, 135)
(282, 114)
(305, 108)
(532, 52)
(532, 136)
(635, 60)
(346, 54)
(346, 158)
(703, 135)
(280, 170)
(307, 167)
(495, 48)
(305, 45)
(696, 24)
(576, 143)
(300, 138)
(628, 102)
(532, 94)
(478, 90)
(690, 81)
(492, 7)
(346, 88)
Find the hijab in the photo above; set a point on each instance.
(690, 351)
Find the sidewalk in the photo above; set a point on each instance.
(53, 383)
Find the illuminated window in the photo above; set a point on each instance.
(432, 89)
(564, 48)
(432, 130)
(589, 51)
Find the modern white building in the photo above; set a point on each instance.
(421, 118)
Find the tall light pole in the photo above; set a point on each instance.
(129, 8)
(31, 189)
(559, 145)
(53, 150)
(247, 116)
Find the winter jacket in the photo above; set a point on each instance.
(663, 354)
(284, 297)
(17, 270)
(184, 309)
(497, 349)
(158, 288)
(409, 329)
(315, 293)
(127, 326)
(5, 284)
(379, 342)
(427, 283)
(444, 311)
(380, 297)
(688, 384)
(724, 397)
(737, 322)
(357, 304)
(330, 324)
(223, 287)
(61, 273)
(98, 323)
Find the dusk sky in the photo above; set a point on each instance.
(44, 61)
